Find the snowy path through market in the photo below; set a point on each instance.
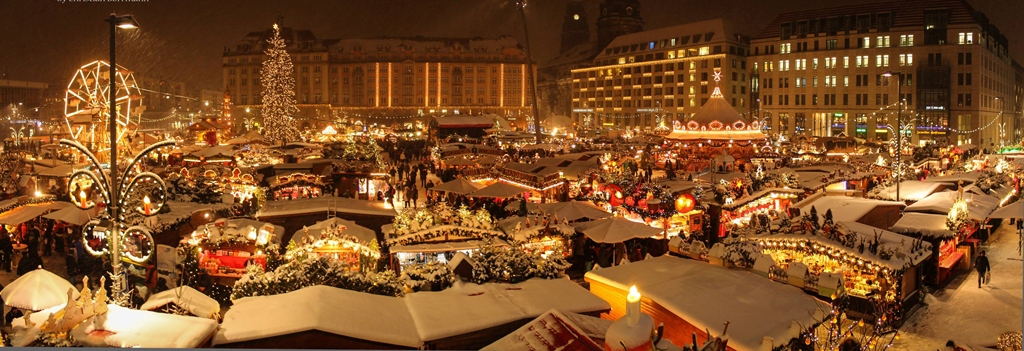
(972, 317)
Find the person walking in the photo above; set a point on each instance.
(414, 193)
(981, 264)
(423, 175)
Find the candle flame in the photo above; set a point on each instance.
(634, 295)
(145, 200)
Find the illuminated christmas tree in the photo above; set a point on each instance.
(278, 92)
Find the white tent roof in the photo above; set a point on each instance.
(37, 290)
(28, 212)
(72, 215)
(616, 230)
(500, 190)
(573, 210)
(458, 186)
(197, 303)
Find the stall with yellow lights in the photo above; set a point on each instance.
(226, 246)
(879, 270)
(541, 234)
(296, 186)
(339, 239)
(436, 233)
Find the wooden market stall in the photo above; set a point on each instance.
(226, 246)
(339, 239)
(436, 233)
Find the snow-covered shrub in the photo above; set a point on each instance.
(323, 270)
(428, 276)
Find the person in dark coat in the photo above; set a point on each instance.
(981, 264)
(6, 250)
(30, 262)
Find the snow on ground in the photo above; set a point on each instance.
(970, 316)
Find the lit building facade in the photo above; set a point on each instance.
(830, 71)
(386, 80)
(648, 79)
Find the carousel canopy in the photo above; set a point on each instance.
(717, 120)
(457, 186)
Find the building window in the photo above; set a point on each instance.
(882, 41)
(907, 40)
(966, 38)
(906, 59)
(784, 48)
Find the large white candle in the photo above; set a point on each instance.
(633, 307)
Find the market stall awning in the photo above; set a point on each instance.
(500, 190)
(28, 212)
(1014, 210)
(72, 215)
(457, 186)
(616, 230)
(573, 210)
(37, 290)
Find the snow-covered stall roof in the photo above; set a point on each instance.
(382, 319)
(757, 308)
(978, 206)
(912, 190)
(135, 328)
(185, 297)
(322, 204)
(925, 223)
(471, 307)
(887, 239)
(464, 121)
(845, 208)
(967, 177)
(555, 331)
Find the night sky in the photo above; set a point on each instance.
(46, 40)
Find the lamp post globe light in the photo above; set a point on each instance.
(899, 129)
(117, 191)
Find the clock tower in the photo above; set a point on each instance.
(618, 17)
(575, 28)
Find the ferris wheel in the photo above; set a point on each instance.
(86, 107)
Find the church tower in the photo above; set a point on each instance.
(575, 28)
(618, 17)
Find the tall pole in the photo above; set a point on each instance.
(529, 71)
(899, 133)
(115, 210)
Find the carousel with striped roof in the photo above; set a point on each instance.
(714, 131)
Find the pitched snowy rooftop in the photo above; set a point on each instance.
(409, 321)
(556, 331)
(912, 190)
(845, 208)
(978, 206)
(925, 223)
(322, 204)
(472, 307)
(358, 315)
(707, 296)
